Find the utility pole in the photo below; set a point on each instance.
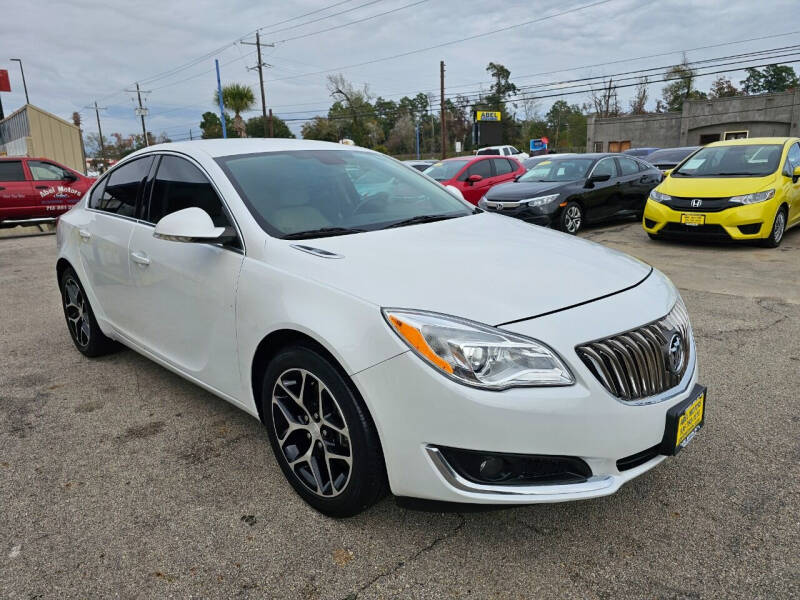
(141, 112)
(97, 110)
(221, 103)
(444, 118)
(21, 70)
(261, 82)
(190, 135)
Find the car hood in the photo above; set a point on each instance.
(484, 267)
(520, 190)
(713, 187)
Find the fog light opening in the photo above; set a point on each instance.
(493, 468)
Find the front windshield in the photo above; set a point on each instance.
(563, 169)
(672, 155)
(447, 169)
(334, 191)
(751, 160)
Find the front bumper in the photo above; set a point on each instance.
(539, 215)
(417, 410)
(749, 222)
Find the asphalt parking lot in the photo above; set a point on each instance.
(119, 479)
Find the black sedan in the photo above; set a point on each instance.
(568, 192)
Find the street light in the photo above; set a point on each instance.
(24, 85)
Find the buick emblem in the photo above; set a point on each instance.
(676, 354)
(697, 203)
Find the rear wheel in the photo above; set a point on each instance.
(321, 434)
(82, 325)
(571, 218)
(778, 228)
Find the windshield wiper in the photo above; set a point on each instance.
(421, 219)
(321, 232)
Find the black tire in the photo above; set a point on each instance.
(81, 322)
(778, 229)
(305, 433)
(571, 218)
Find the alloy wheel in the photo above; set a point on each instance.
(77, 314)
(311, 432)
(779, 226)
(572, 219)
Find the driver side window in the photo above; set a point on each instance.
(43, 171)
(606, 167)
(480, 167)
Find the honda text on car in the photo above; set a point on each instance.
(37, 189)
(349, 325)
(570, 191)
(474, 176)
(746, 189)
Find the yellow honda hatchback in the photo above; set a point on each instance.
(747, 189)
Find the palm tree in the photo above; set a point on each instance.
(239, 98)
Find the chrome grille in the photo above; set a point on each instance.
(637, 363)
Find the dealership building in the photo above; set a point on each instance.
(700, 122)
(31, 131)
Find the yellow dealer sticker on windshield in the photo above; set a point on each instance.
(438, 164)
(545, 162)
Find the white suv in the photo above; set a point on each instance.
(503, 151)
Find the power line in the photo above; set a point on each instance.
(451, 42)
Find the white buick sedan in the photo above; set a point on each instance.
(383, 330)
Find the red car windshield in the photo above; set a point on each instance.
(442, 171)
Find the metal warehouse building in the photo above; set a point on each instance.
(31, 131)
(700, 122)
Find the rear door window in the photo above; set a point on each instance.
(11, 170)
(502, 166)
(122, 189)
(628, 166)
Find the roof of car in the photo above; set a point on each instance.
(752, 141)
(227, 147)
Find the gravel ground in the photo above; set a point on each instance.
(120, 480)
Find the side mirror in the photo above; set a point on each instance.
(596, 178)
(795, 174)
(188, 225)
(667, 172)
(474, 179)
(455, 191)
(70, 176)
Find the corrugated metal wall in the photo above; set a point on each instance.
(55, 138)
(32, 131)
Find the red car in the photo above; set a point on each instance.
(475, 175)
(38, 188)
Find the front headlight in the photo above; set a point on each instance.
(541, 200)
(657, 196)
(753, 198)
(478, 355)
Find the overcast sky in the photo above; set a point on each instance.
(79, 51)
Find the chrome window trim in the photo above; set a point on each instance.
(593, 484)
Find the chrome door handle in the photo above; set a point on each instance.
(84, 234)
(140, 258)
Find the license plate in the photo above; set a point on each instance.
(684, 420)
(693, 219)
(689, 422)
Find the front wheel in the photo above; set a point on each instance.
(778, 228)
(321, 434)
(571, 218)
